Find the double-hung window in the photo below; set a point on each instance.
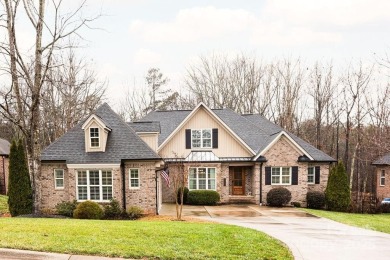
(201, 138)
(311, 175)
(134, 178)
(281, 175)
(94, 185)
(94, 136)
(383, 178)
(59, 178)
(202, 179)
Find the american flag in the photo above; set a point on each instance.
(165, 174)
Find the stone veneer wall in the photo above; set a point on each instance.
(383, 191)
(284, 154)
(144, 197)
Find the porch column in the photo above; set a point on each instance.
(256, 182)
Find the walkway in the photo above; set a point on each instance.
(307, 236)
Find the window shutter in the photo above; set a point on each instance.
(317, 175)
(267, 175)
(294, 177)
(215, 137)
(188, 138)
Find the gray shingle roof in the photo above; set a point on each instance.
(384, 160)
(4, 147)
(145, 127)
(169, 121)
(271, 129)
(122, 143)
(255, 130)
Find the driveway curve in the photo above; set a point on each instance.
(307, 236)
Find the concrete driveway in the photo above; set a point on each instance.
(307, 236)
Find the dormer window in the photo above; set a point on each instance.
(94, 135)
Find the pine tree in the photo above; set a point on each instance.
(337, 193)
(19, 185)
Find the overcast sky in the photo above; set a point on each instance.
(171, 34)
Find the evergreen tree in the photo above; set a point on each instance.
(19, 185)
(337, 193)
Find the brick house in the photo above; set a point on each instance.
(99, 159)
(242, 157)
(4, 162)
(382, 171)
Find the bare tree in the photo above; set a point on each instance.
(28, 71)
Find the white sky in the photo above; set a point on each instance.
(171, 34)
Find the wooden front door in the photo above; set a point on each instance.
(238, 181)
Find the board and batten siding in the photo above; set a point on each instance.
(150, 139)
(228, 146)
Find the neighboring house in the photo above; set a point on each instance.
(99, 159)
(242, 157)
(4, 162)
(382, 171)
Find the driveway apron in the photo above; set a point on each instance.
(307, 236)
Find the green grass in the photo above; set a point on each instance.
(3, 204)
(377, 222)
(139, 239)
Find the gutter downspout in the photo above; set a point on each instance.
(261, 183)
(5, 187)
(123, 186)
(156, 179)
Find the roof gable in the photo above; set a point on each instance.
(214, 117)
(122, 143)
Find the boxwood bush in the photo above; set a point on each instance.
(113, 210)
(66, 208)
(134, 212)
(315, 199)
(88, 210)
(277, 197)
(203, 197)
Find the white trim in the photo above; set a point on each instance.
(215, 117)
(55, 179)
(201, 138)
(314, 175)
(90, 137)
(88, 185)
(277, 138)
(383, 176)
(281, 175)
(98, 121)
(139, 179)
(93, 166)
(197, 178)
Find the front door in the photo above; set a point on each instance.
(238, 181)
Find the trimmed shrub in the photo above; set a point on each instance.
(315, 199)
(277, 197)
(203, 197)
(134, 212)
(185, 195)
(88, 210)
(113, 210)
(20, 200)
(296, 204)
(66, 208)
(337, 193)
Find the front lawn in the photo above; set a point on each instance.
(139, 239)
(378, 222)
